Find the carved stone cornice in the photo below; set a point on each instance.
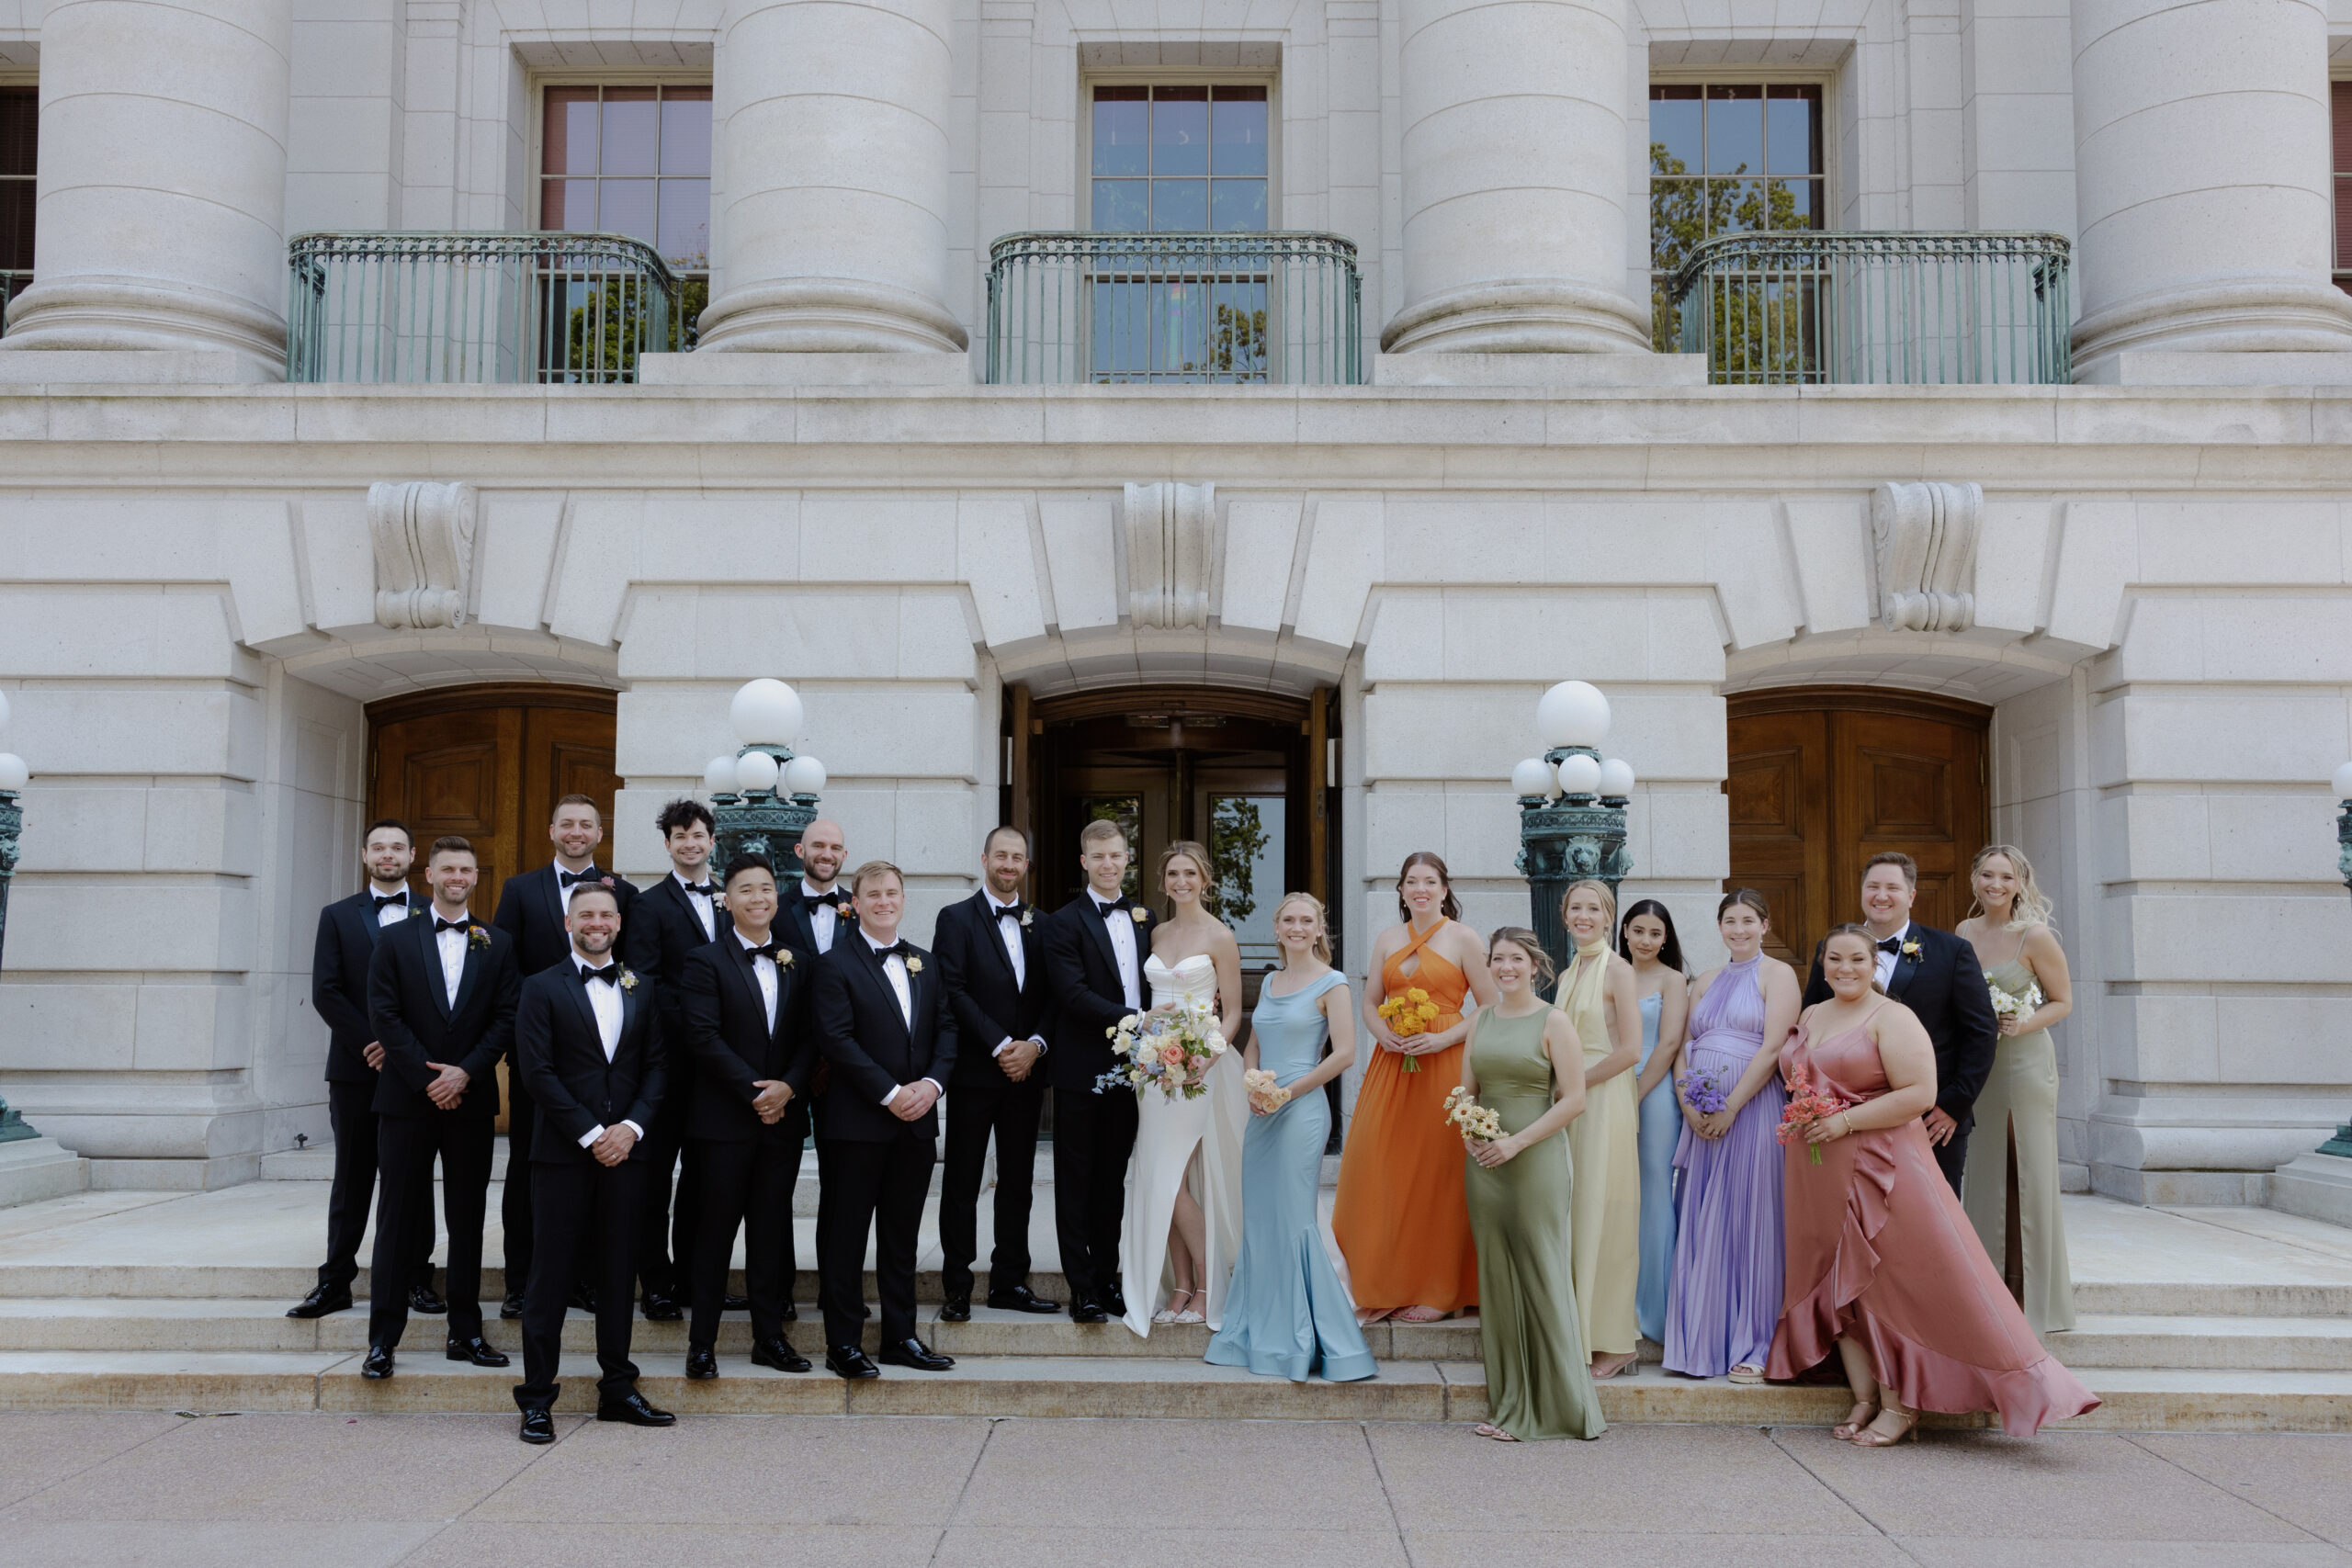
(1171, 533)
(424, 535)
(1925, 537)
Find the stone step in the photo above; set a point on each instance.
(2211, 1343)
(2137, 1399)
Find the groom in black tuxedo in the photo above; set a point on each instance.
(883, 1024)
(1094, 947)
(1936, 975)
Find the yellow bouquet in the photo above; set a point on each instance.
(1410, 1014)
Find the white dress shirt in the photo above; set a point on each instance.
(390, 914)
(452, 946)
(1123, 944)
(1008, 926)
(762, 970)
(1886, 961)
(605, 1001)
(894, 967)
(704, 906)
(824, 919)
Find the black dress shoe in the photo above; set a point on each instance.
(1085, 1310)
(916, 1354)
(422, 1298)
(957, 1308)
(323, 1300)
(852, 1364)
(1115, 1303)
(478, 1351)
(779, 1353)
(584, 1299)
(659, 1308)
(510, 1309)
(1019, 1298)
(538, 1426)
(737, 1303)
(379, 1364)
(701, 1365)
(632, 1408)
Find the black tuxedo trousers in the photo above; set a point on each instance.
(351, 1113)
(746, 1184)
(406, 1146)
(879, 1189)
(1093, 1135)
(1011, 1111)
(587, 1219)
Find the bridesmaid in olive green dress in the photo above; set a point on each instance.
(1526, 1065)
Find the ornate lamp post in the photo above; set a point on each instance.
(13, 775)
(764, 797)
(2342, 1143)
(1571, 808)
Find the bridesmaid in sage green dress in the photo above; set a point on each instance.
(1526, 1065)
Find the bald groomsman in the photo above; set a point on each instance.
(819, 908)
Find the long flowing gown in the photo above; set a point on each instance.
(1398, 1216)
(1538, 1384)
(1604, 1145)
(1179, 1142)
(1881, 1251)
(2020, 1099)
(1727, 1253)
(1287, 1315)
(1661, 1133)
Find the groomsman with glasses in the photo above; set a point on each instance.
(442, 995)
(588, 1048)
(988, 961)
(817, 912)
(349, 930)
(744, 1002)
(531, 910)
(670, 919)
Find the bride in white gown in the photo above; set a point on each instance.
(1182, 1228)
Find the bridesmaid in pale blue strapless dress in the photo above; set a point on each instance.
(1648, 941)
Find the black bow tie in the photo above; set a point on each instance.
(706, 889)
(610, 973)
(389, 898)
(1013, 910)
(440, 925)
(767, 950)
(1891, 944)
(896, 950)
(810, 900)
(566, 878)
(1107, 910)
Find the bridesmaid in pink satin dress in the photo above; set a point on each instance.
(1883, 1262)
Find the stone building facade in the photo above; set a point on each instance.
(2108, 617)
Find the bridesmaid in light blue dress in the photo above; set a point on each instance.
(1648, 941)
(1286, 1315)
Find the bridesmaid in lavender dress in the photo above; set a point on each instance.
(1727, 1246)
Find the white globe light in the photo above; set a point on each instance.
(719, 777)
(755, 772)
(1573, 713)
(2344, 781)
(1616, 777)
(13, 771)
(1532, 777)
(1580, 774)
(765, 713)
(804, 776)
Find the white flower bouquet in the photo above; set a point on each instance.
(2008, 1004)
(1170, 1048)
(1475, 1120)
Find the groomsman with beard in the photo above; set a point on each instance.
(743, 1000)
(817, 912)
(442, 993)
(670, 919)
(1936, 975)
(349, 930)
(996, 988)
(884, 1026)
(1094, 947)
(588, 1048)
(531, 910)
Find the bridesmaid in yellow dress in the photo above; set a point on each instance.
(1598, 994)
(2013, 1157)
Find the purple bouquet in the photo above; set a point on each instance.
(1706, 1092)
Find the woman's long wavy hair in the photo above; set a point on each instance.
(1521, 937)
(1321, 946)
(1670, 953)
(2031, 907)
(1450, 909)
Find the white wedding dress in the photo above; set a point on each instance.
(1178, 1143)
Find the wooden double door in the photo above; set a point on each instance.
(1822, 778)
(488, 763)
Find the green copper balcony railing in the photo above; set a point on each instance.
(13, 282)
(1811, 309)
(1071, 309)
(508, 309)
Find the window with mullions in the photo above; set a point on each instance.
(635, 161)
(2340, 111)
(20, 140)
(1727, 158)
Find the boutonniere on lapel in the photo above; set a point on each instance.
(1911, 951)
(414, 913)
(783, 959)
(479, 936)
(628, 979)
(914, 965)
(1139, 915)
(1028, 918)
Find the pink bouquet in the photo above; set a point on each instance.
(1806, 1105)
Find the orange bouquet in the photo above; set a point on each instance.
(1410, 1014)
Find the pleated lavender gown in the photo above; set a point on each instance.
(1728, 1254)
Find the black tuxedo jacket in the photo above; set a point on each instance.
(530, 909)
(348, 936)
(1945, 987)
(660, 931)
(870, 1046)
(989, 1002)
(797, 928)
(727, 1039)
(561, 1058)
(408, 1005)
(1083, 976)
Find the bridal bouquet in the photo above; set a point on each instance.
(2007, 1005)
(1475, 1120)
(1806, 1105)
(1706, 1092)
(1265, 1090)
(1410, 1014)
(1171, 1048)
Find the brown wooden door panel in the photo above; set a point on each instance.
(1778, 807)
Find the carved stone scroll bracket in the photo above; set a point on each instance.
(1171, 552)
(424, 535)
(1925, 537)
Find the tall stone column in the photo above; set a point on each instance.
(2201, 159)
(161, 175)
(1514, 153)
(829, 117)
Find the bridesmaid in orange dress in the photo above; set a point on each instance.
(1400, 1217)
(1882, 1261)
